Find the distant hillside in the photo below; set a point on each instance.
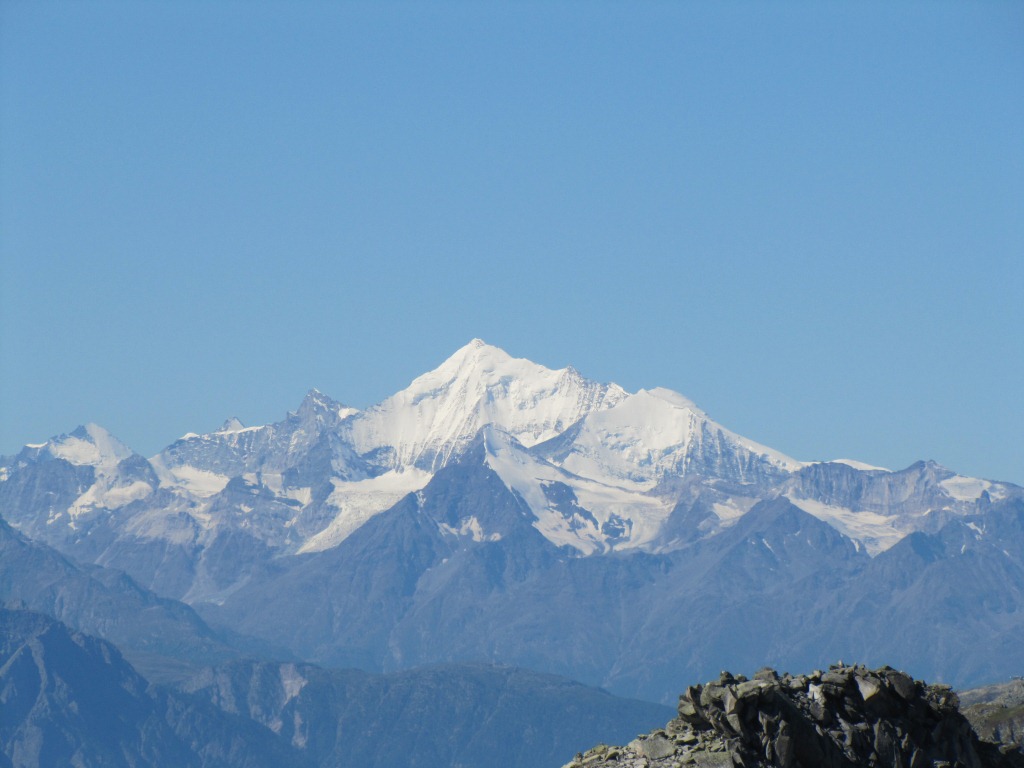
(435, 717)
(68, 699)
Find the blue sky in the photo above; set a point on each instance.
(807, 217)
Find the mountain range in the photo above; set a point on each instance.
(68, 698)
(496, 511)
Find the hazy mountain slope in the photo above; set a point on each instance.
(71, 699)
(158, 633)
(458, 572)
(425, 718)
(950, 603)
(779, 586)
(741, 599)
(388, 570)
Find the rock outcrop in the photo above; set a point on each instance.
(997, 711)
(848, 716)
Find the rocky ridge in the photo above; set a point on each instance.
(848, 716)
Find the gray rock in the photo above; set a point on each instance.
(841, 718)
(868, 686)
(656, 747)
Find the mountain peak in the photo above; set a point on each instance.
(90, 445)
(476, 354)
(440, 412)
(318, 405)
(234, 424)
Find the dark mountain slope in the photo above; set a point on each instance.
(158, 633)
(450, 715)
(951, 602)
(71, 699)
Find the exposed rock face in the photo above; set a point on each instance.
(848, 716)
(997, 711)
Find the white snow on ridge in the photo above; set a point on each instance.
(647, 436)
(198, 482)
(858, 465)
(965, 488)
(442, 410)
(528, 476)
(876, 532)
(471, 527)
(625, 458)
(103, 494)
(731, 510)
(239, 431)
(358, 501)
(99, 449)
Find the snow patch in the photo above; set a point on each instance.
(732, 509)
(98, 448)
(198, 482)
(471, 527)
(292, 682)
(302, 495)
(876, 532)
(965, 488)
(441, 411)
(527, 476)
(100, 494)
(360, 500)
(858, 465)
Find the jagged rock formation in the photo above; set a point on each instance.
(997, 711)
(846, 717)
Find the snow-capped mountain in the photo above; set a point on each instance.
(600, 469)
(436, 416)
(495, 506)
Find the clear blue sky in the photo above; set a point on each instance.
(807, 217)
